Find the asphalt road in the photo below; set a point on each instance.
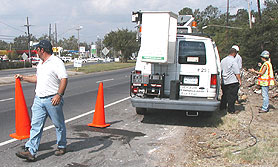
(80, 96)
(130, 140)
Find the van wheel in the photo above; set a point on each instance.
(140, 111)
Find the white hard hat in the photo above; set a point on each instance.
(265, 54)
(235, 47)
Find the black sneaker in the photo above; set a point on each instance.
(263, 111)
(25, 154)
(60, 151)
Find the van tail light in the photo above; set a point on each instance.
(135, 90)
(137, 72)
(213, 81)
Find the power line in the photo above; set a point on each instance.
(7, 36)
(59, 35)
(12, 27)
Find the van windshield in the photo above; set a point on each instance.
(191, 52)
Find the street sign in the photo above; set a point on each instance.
(93, 50)
(105, 51)
(77, 63)
(24, 56)
(82, 49)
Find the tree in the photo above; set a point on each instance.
(186, 11)
(12, 55)
(21, 42)
(208, 16)
(4, 45)
(69, 44)
(98, 44)
(123, 41)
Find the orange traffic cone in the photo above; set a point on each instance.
(22, 119)
(99, 117)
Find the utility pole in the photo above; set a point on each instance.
(259, 10)
(55, 40)
(56, 35)
(249, 14)
(227, 21)
(49, 33)
(78, 29)
(28, 33)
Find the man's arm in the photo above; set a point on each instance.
(238, 78)
(258, 72)
(62, 87)
(30, 78)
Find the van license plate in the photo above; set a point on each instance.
(190, 80)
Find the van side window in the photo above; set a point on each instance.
(192, 52)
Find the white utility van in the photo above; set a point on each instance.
(175, 70)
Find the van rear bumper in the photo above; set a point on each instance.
(186, 104)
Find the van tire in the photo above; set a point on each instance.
(141, 111)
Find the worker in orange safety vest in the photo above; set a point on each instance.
(265, 79)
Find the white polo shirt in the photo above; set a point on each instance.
(229, 68)
(49, 75)
(238, 59)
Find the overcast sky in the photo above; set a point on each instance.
(97, 17)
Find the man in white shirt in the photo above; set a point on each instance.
(238, 58)
(230, 81)
(51, 81)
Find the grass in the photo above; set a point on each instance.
(235, 137)
(105, 67)
(228, 143)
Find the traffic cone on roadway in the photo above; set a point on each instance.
(99, 117)
(22, 119)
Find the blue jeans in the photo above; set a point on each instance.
(265, 98)
(42, 107)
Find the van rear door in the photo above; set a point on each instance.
(195, 74)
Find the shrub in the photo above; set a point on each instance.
(13, 65)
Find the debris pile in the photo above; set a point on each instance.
(249, 86)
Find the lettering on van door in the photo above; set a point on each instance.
(202, 70)
(190, 90)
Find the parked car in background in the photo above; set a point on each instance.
(84, 60)
(35, 60)
(95, 59)
(66, 59)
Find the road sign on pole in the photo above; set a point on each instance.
(105, 51)
(24, 56)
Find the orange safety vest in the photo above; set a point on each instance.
(267, 78)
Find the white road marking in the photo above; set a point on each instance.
(6, 99)
(105, 80)
(70, 119)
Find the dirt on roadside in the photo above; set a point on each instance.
(248, 138)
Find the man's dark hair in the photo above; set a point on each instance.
(232, 51)
(47, 50)
(46, 45)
